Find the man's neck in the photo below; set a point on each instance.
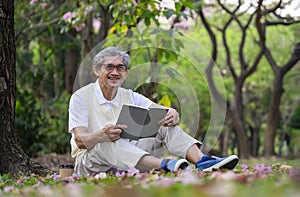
(109, 93)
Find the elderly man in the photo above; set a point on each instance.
(96, 143)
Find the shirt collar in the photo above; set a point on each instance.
(101, 98)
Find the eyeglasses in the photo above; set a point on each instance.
(111, 67)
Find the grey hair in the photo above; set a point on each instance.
(108, 52)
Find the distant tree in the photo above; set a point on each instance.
(239, 74)
(276, 94)
(260, 18)
(13, 160)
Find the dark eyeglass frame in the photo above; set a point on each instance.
(111, 67)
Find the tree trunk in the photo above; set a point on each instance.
(87, 37)
(255, 141)
(70, 68)
(226, 137)
(275, 100)
(105, 22)
(236, 114)
(236, 106)
(273, 114)
(13, 160)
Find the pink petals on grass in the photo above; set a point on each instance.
(245, 168)
(263, 169)
(207, 182)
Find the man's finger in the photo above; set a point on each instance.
(116, 132)
(121, 126)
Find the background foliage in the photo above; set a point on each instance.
(51, 35)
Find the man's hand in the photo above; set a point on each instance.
(112, 132)
(171, 119)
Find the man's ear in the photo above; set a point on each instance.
(96, 70)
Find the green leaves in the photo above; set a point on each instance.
(169, 13)
(188, 4)
(178, 7)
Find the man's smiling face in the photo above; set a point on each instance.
(110, 74)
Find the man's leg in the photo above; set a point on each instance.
(156, 148)
(179, 143)
(148, 162)
(194, 154)
(120, 154)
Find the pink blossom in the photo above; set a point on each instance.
(96, 24)
(101, 175)
(32, 2)
(181, 25)
(142, 176)
(9, 189)
(187, 177)
(132, 172)
(68, 16)
(268, 169)
(88, 9)
(20, 182)
(54, 176)
(165, 182)
(261, 168)
(43, 5)
(122, 174)
(75, 176)
(294, 172)
(79, 27)
(220, 176)
(244, 167)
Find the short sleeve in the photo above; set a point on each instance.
(140, 100)
(78, 113)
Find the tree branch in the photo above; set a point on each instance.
(255, 63)
(221, 101)
(227, 49)
(270, 59)
(293, 60)
(45, 24)
(259, 26)
(211, 34)
(268, 23)
(272, 10)
(227, 10)
(261, 33)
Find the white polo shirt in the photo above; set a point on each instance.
(78, 112)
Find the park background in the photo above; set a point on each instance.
(239, 58)
(261, 89)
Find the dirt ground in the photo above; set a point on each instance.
(52, 161)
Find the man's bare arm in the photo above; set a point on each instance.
(86, 140)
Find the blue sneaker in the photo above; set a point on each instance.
(208, 163)
(172, 165)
